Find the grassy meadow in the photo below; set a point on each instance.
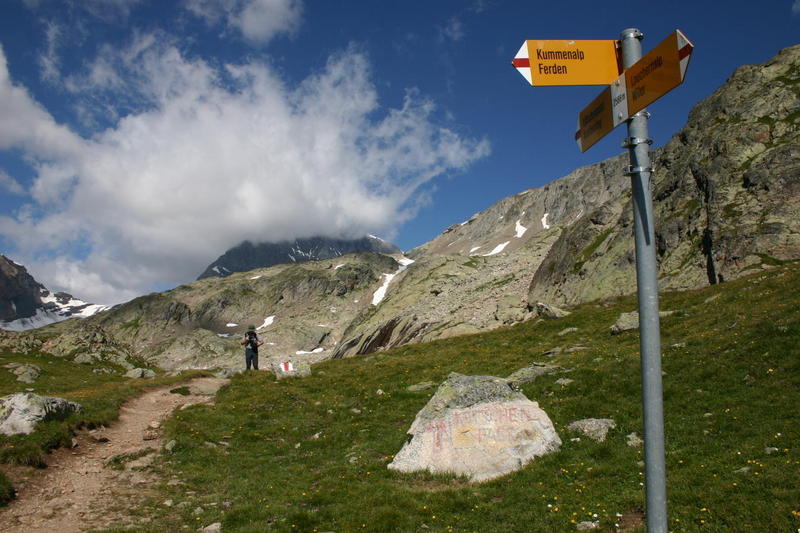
(310, 454)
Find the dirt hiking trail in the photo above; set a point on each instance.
(81, 489)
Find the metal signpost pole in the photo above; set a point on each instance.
(638, 143)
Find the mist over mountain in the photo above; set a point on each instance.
(249, 256)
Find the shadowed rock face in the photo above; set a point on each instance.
(20, 294)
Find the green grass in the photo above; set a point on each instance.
(292, 455)
(100, 395)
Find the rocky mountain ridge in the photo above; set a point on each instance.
(25, 303)
(249, 256)
(726, 203)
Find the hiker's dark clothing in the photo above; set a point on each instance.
(251, 350)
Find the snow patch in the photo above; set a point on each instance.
(256, 277)
(316, 350)
(475, 249)
(545, 225)
(520, 229)
(380, 294)
(231, 325)
(267, 322)
(497, 249)
(337, 267)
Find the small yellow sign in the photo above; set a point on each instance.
(567, 62)
(595, 121)
(658, 72)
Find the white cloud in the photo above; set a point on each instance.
(49, 62)
(258, 21)
(796, 7)
(10, 185)
(214, 156)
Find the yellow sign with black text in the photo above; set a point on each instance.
(568, 62)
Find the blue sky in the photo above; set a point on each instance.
(139, 139)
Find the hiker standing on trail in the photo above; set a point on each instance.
(251, 343)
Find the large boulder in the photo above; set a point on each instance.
(476, 426)
(19, 413)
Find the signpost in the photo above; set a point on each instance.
(643, 81)
(566, 62)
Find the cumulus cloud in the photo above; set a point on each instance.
(796, 7)
(258, 21)
(213, 156)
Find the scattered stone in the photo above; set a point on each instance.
(712, 298)
(634, 441)
(567, 330)
(530, 373)
(355, 411)
(425, 385)
(226, 373)
(198, 510)
(84, 359)
(552, 352)
(20, 412)
(743, 470)
(770, 450)
(103, 370)
(478, 426)
(588, 526)
(150, 434)
(379, 392)
(576, 348)
(25, 373)
(316, 436)
(594, 428)
(155, 424)
(216, 527)
(564, 381)
(140, 373)
(170, 445)
(630, 321)
(550, 311)
(167, 503)
(679, 345)
(708, 415)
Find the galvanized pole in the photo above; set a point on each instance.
(640, 171)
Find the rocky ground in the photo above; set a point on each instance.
(82, 487)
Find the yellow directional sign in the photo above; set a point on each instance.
(650, 78)
(568, 62)
(657, 73)
(606, 112)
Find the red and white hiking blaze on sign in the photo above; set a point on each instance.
(522, 63)
(287, 366)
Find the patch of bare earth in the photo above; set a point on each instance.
(92, 485)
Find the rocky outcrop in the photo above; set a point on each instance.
(19, 413)
(476, 426)
(27, 304)
(20, 294)
(25, 373)
(594, 428)
(725, 192)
